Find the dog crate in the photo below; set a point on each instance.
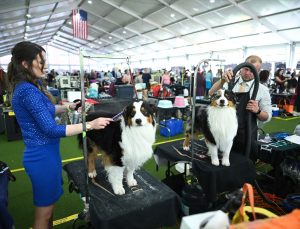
(1, 121)
(124, 91)
(12, 128)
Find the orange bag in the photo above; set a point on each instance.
(286, 105)
(156, 90)
(288, 108)
(241, 216)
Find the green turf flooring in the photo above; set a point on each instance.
(20, 194)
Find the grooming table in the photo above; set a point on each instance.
(213, 179)
(150, 204)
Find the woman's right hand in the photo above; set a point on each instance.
(99, 123)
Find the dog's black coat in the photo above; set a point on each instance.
(105, 139)
(201, 123)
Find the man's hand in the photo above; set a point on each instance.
(252, 106)
(227, 76)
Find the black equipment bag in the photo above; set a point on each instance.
(6, 220)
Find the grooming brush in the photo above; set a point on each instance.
(117, 116)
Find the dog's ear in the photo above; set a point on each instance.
(234, 97)
(214, 96)
(150, 106)
(127, 110)
(231, 96)
(127, 114)
(153, 107)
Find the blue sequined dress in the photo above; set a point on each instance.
(36, 116)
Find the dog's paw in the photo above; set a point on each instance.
(131, 182)
(186, 148)
(225, 162)
(215, 162)
(93, 174)
(119, 190)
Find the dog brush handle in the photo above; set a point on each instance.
(117, 116)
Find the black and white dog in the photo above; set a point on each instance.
(218, 123)
(125, 144)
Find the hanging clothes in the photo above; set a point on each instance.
(208, 80)
(200, 84)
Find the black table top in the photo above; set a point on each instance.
(283, 94)
(213, 179)
(275, 151)
(150, 204)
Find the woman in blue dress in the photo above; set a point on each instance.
(35, 114)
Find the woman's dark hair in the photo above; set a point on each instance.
(278, 71)
(16, 72)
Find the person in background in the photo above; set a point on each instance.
(264, 77)
(260, 108)
(166, 79)
(35, 114)
(146, 78)
(93, 74)
(292, 84)
(297, 101)
(138, 78)
(294, 73)
(288, 72)
(126, 78)
(51, 78)
(3, 85)
(118, 77)
(200, 82)
(280, 80)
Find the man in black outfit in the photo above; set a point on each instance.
(146, 78)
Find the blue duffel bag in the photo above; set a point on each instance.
(171, 127)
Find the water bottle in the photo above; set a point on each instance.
(268, 138)
(75, 117)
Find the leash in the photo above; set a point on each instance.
(185, 155)
(100, 186)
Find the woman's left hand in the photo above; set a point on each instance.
(72, 106)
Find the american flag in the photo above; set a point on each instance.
(79, 21)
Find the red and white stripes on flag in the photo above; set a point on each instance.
(79, 21)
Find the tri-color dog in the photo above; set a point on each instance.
(218, 123)
(125, 144)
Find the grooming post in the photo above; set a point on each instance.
(83, 114)
(131, 77)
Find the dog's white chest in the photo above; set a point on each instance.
(223, 124)
(137, 145)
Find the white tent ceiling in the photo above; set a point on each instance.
(150, 27)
